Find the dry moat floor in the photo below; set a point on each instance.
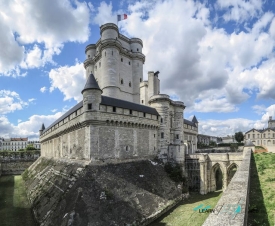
(14, 207)
(184, 213)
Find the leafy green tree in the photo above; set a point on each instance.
(30, 147)
(239, 137)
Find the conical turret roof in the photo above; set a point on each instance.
(195, 119)
(91, 83)
(42, 127)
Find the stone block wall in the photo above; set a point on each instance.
(13, 167)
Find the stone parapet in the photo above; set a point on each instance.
(232, 208)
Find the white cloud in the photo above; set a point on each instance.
(10, 101)
(48, 23)
(31, 99)
(54, 110)
(240, 10)
(29, 128)
(230, 126)
(69, 80)
(259, 109)
(43, 89)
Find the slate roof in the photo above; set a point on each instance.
(42, 127)
(185, 121)
(109, 101)
(261, 130)
(195, 119)
(91, 83)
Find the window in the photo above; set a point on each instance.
(105, 53)
(114, 109)
(130, 84)
(76, 113)
(142, 101)
(121, 59)
(161, 120)
(131, 112)
(88, 56)
(140, 79)
(161, 135)
(129, 63)
(112, 53)
(144, 114)
(89, 106)
(248, 136)
(127, 148)
(177, 136)
(121, 81)
(137, 49)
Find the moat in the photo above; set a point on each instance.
(14, 206)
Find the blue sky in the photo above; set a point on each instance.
(215, 56)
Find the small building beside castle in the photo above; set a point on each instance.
(264, 137)
(121, 116)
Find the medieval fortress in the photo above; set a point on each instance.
(121, 116)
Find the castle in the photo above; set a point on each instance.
(121, 116)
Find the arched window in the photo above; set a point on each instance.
(130, 84)
(127, 148)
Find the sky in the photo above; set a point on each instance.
(218, 57)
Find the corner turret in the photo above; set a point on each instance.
(41, 129)
(91, 94)
(195, 121)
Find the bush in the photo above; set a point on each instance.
(174, 171)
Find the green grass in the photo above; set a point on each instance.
(14, 206)
(262, 190)
(184, 215)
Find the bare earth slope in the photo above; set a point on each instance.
(66, 192)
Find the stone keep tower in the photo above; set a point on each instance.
(117, 64)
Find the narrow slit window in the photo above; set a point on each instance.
(89, 106)
(130, 84)
(144, 114)
(131, 112)
(114, 109)
(162, 135)
(121, 59)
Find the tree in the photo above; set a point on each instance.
(239, 136)
(30, 147)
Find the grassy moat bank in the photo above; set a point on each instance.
(185, 215)
(14, 206)
(262, 190)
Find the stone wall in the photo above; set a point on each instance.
(232, 207)
(74, 192)
(13, 167)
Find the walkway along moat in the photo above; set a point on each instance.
(14, 206)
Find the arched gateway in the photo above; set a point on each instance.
(216, 170)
